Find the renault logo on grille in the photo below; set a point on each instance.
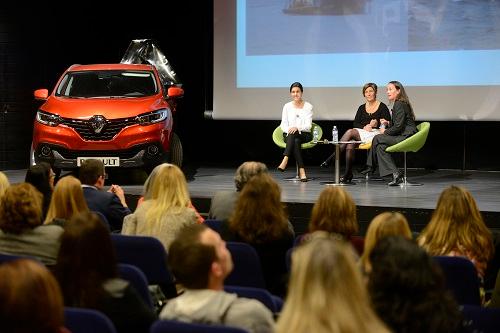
(97, 123)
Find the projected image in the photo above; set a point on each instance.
(277, 27)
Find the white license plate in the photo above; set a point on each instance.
(108, 161)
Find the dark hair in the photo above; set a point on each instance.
(403, 97)
(20, 208)
(86, 260)
(39, 175)
(408, 288)
(189, 259)
(30, 298)
(90, 171)
(298, 85)
(369, 85)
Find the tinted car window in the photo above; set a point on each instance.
(85, 84)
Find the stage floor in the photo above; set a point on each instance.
(371, 197)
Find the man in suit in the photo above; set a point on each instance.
(200, 261)
(110, 203)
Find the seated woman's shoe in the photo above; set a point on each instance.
(397, 179)
(304, 179)
(367, 170)
(280, 169)
(346, 179)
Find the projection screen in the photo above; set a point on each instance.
(445, 52)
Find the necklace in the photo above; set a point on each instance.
(371, 108)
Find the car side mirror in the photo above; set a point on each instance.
(42, 94)
(175, 92)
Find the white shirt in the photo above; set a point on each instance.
(297, 117)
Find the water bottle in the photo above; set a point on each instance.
(335, 134)
(315, 134)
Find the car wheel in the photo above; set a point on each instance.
(176, 153)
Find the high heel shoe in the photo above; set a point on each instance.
(304, 180)
(346, 179)
(280, 169)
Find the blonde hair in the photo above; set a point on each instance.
(334, 211)
(67, 200)
(457, 223)
(383, 225)
(4, 183)
(169, 193)
(326, 292)
(20, 208)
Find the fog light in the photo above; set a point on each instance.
(152, 150)
(45, 151)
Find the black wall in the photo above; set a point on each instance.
(38, 44)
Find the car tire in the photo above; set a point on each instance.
(176, 152)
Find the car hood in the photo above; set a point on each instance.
(111, 108)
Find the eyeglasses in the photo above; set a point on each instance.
(105, 176)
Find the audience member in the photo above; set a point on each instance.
(42, 177)
(259, 219)
(4, 183)
(326, 292)
(112, 203)
(147, 192)
(30, 299)
(408, 289)
(457, 229)
(223, 202)
(200, 261)
(87, 271)
(67, 201)
(167, 211)
(335, 212)
(383, 225)
(21, 229)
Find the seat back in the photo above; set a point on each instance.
(214, 224)
(5, 257)
(79, 320)
(461, 278)
(247, 269)
(414, 142)
(138, 280)
(480, 319)
(272, 302)
(172, 326)
(147, 254)
(278, 137)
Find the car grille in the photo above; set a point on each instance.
(122, 154)
(108, 132)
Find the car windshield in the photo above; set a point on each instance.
(107, 84)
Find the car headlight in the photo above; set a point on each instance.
(152, 117)
(48, 119)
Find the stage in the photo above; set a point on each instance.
(371, 197)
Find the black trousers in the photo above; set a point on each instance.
(293, 142)
(378, 156)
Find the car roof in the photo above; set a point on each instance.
(110, 67)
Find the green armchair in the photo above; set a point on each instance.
(278, 140)
(411, 144)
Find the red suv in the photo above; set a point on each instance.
(119, 113)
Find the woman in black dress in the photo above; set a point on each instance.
(365, 123)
